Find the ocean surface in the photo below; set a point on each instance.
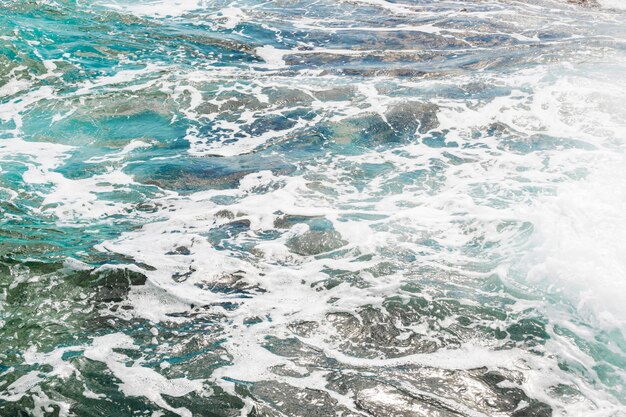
(356, 208)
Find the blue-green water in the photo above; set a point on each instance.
(328, 208)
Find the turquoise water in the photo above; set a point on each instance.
(329, 208)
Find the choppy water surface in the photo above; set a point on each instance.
(312, 208)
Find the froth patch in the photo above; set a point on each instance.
(155, 8)
(613, 4)
(580, 242)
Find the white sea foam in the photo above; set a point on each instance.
(569, 188)
(614, 4)
(136, 380)
(230, 17)
(272, 56)
(154, 8)
(580, 242)
(565, 225)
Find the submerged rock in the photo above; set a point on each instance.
(316, 242)
(410, 117)
(115, 284)
(292, 401)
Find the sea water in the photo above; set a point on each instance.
(312, 208)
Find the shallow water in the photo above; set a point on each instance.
(350, 208)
